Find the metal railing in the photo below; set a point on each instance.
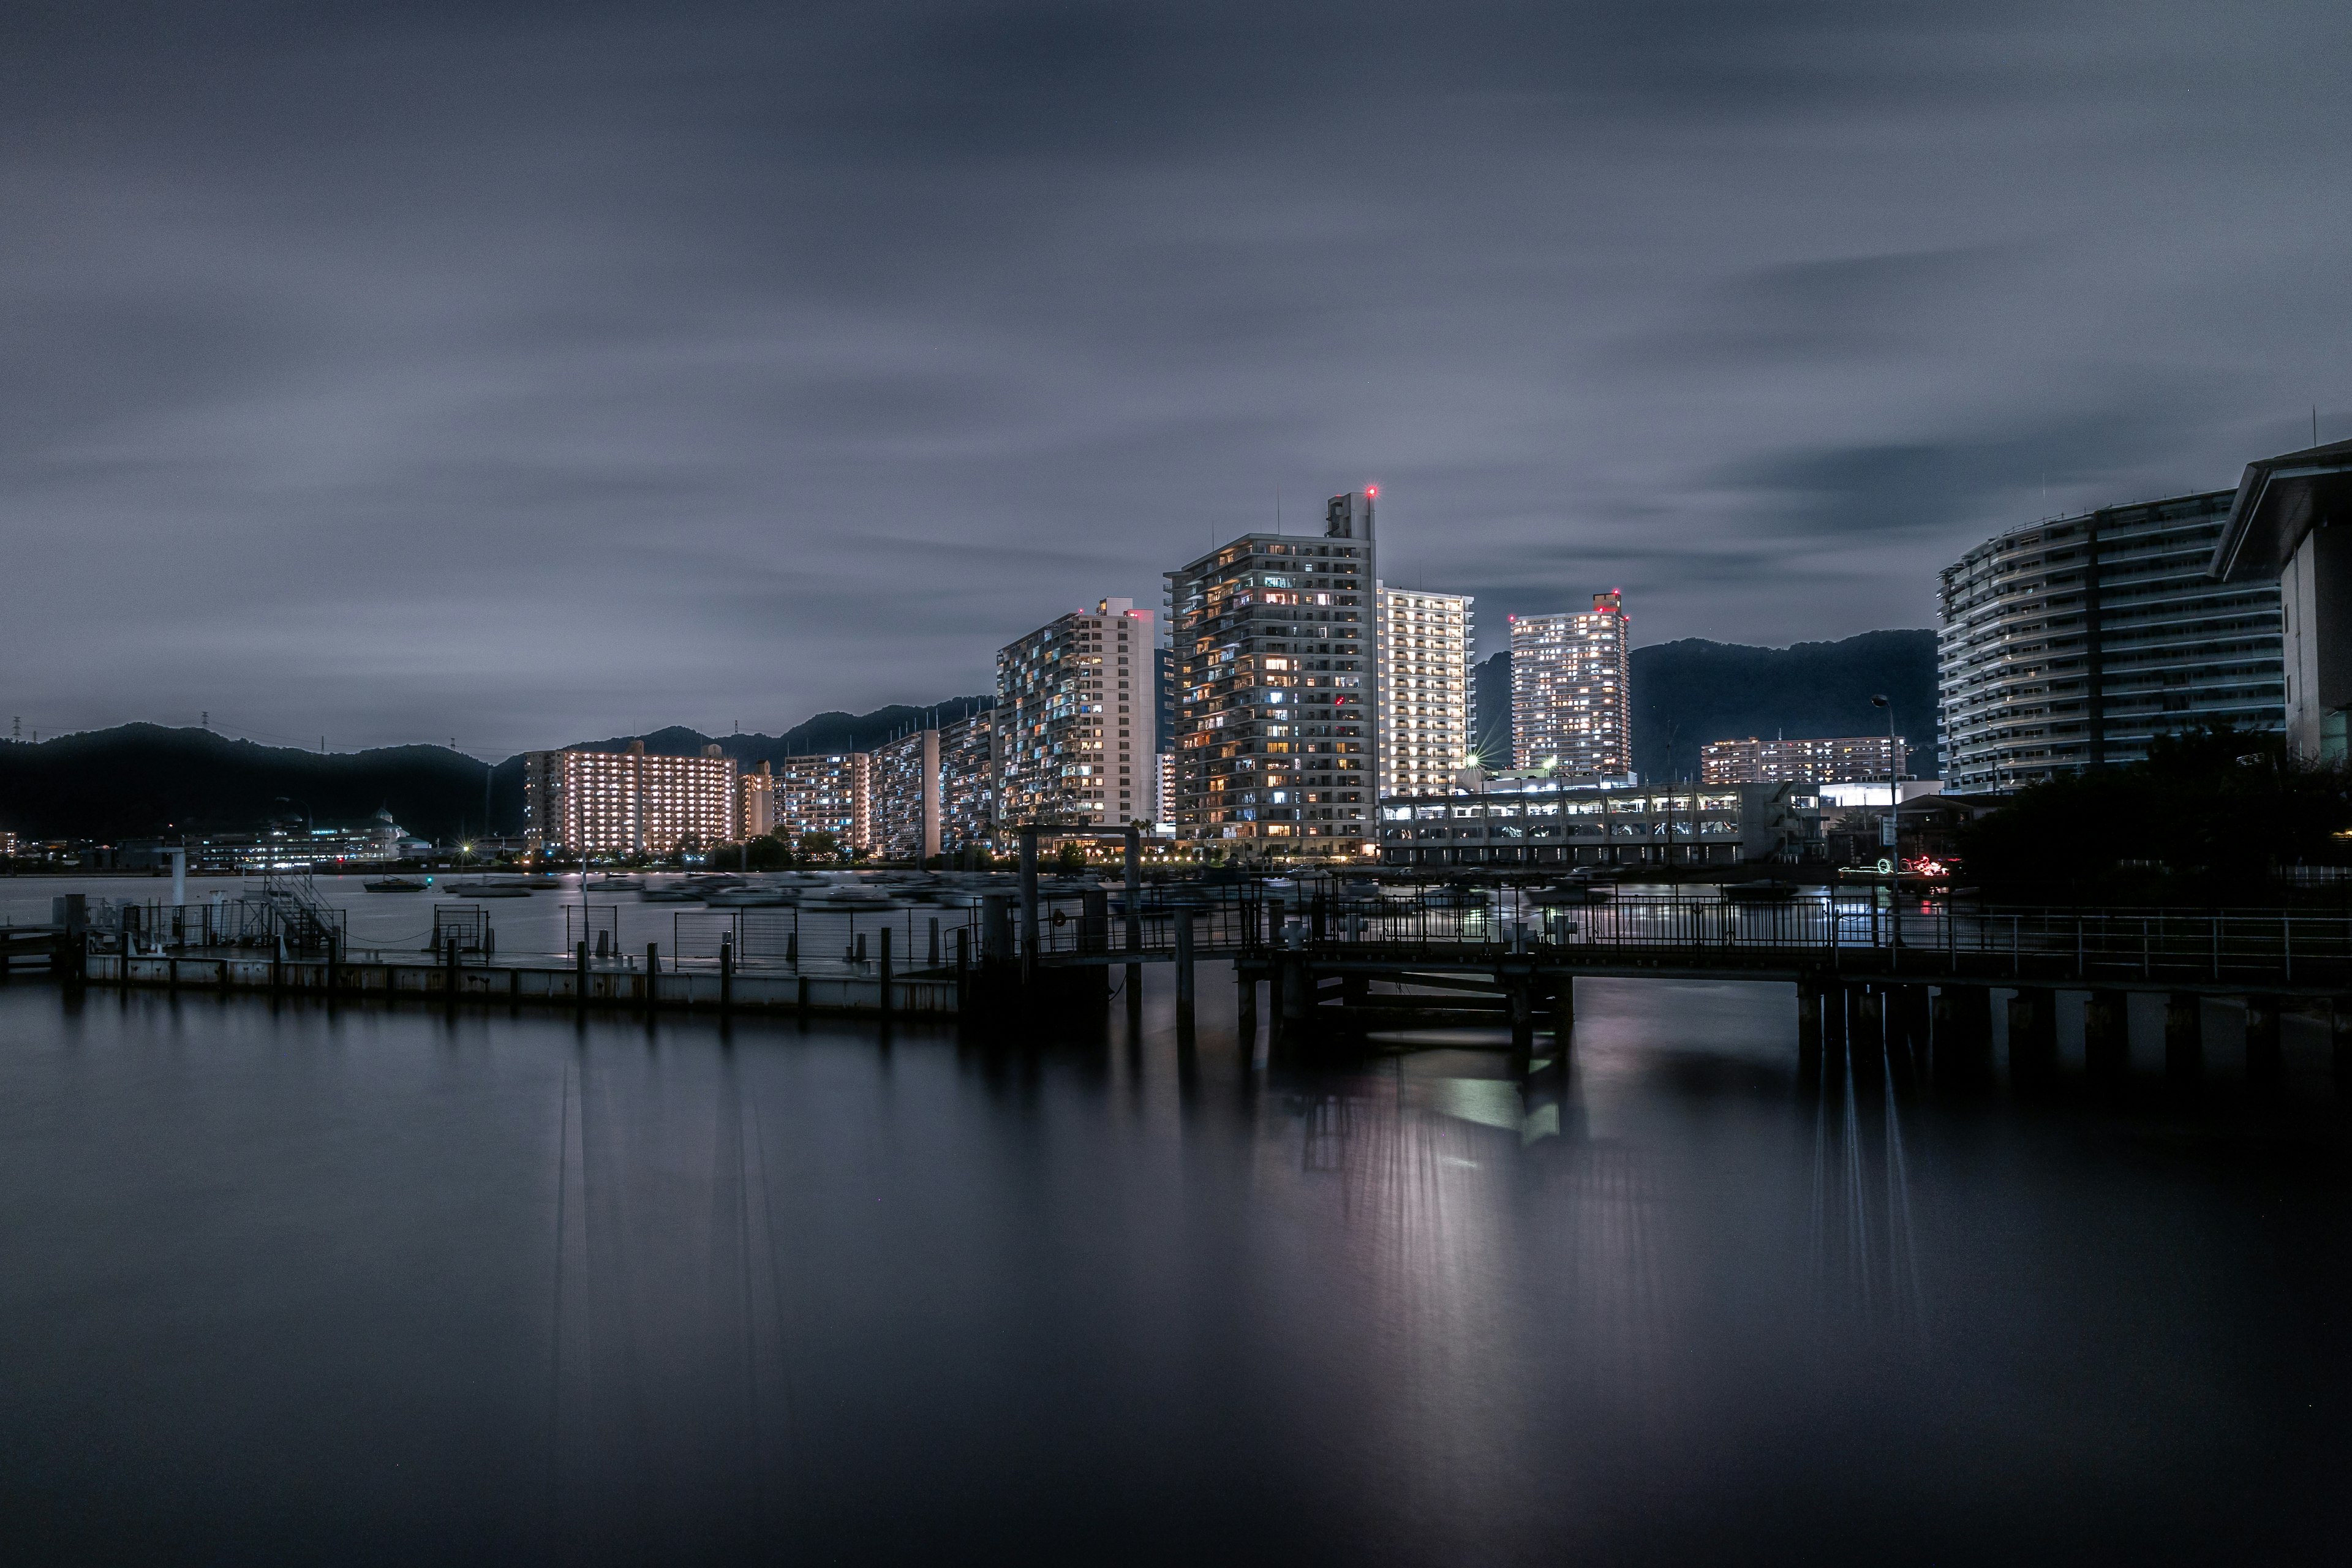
(2084, 946)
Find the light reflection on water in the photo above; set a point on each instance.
(383, 1285)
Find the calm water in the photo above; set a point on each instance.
(388, 1285)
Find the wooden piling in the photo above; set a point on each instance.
(1960, 1050)
(2106, 1036)
(1184, 975)
(2265, 1061)
(2032, 1036)
(2184, 1036)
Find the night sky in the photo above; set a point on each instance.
(525, 374)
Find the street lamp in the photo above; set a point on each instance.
(1894, 793)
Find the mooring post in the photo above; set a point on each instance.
(2032, 1036)
(1245, 1005)
(885, 959)
(963, 970)
(1961, 1050)
(727, 969)
(1029, 913)
(2184, 1036)
(934, 960)
(1134, 915)
(1563, 1009)
(653, 960)
(1833, 1022)
(580, 972)
(2265, 1063)
(1809, 1025)
(1518, 990)
(1184, 975)
(2106, 1036)
(1866, 1029)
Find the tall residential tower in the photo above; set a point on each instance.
(1572, 691)
(1276, 697)
(1073, 721)
(2070, 644)
(1424, 690)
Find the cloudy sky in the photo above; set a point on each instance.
(526, 374)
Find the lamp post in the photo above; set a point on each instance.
(1894, 791)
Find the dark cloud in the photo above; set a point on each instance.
(523, 372)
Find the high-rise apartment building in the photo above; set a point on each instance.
(1571, 690)
(1849, 759)
(1276, 696)
(755, 797)
(826, 794)
(1075, 715)
(2281, 529)
(2070, 644)
(968, 780)
(1423, 641)
(905, 776)
(627, 803)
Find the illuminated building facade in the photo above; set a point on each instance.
(755, 807)
(1276, 695)
(1530, 821)
(1075, 710)
(1849, 759)
(832, 793)
(1571, 690)
(907, 816)
(2070, 643)
(627, 803)
(1424, 642)
(968, 780)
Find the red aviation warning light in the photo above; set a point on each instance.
(1371, 490)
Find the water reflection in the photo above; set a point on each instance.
(358, 1284)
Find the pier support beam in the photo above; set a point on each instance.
(2265, 1062)
(1962, 1048)
(1833, 1028)
(1183, 977)
(1906, 1033)
(1245, 1009)
(1809, 1029)
(1866, 1029)
(2184, 1036)
(2107, 1038)
(1563, 1010)
(1134, 904)
(2032, 1036)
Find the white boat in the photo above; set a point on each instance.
(856, 893)
(747, 898)
(487, 890)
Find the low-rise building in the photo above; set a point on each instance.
(1846, 758)
(1535, 822)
